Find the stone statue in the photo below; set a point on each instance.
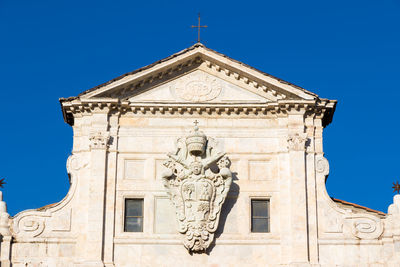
(197, 180)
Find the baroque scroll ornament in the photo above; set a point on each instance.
(198, 179)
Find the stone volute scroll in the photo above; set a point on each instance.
(198, 179)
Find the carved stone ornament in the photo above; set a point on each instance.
(322, 165)
(197, 87)
(198, 179)
(99, 140)
(363, 226)
(297, 141)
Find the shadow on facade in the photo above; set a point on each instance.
(229, 203)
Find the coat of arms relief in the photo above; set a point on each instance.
(198, 179)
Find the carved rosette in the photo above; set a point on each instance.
(297, 141)
(99, 140)
(198, 180)
(197, 87)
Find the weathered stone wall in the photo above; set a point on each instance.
(117, 157)
(270, 129)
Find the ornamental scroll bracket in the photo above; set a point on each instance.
(197, 180)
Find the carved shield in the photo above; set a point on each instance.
(198, 203)
(196, 191)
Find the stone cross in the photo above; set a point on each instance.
(198, 29)
(396, 187)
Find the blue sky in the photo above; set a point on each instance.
(344, 50)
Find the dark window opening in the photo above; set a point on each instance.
(133, 221)
(260, 215)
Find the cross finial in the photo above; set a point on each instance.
(2, 183)
(196, 122)
(396, 187)
(199, 26)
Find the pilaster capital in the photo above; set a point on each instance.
(297, 141)
(99, 140)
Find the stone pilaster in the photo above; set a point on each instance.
(99, 139)
(109, 217)
(298, 192)
(311, 189)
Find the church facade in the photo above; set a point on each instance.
(199, 160)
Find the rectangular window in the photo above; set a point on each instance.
(260, 215)
(133, 221)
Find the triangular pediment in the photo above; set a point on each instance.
(199, 86)
(198, 75)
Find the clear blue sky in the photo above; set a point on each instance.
(344, 50)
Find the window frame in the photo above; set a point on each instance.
(125, 217)
(268, 218)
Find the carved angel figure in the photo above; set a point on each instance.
(198, 180)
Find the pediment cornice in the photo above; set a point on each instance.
(199, 57)
(116, 95)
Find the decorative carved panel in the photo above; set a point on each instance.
(198, 87)
(198, 179)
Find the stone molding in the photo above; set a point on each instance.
(82, 107)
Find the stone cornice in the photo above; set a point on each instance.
(126, 88)
(75, 107)
(192, 57)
